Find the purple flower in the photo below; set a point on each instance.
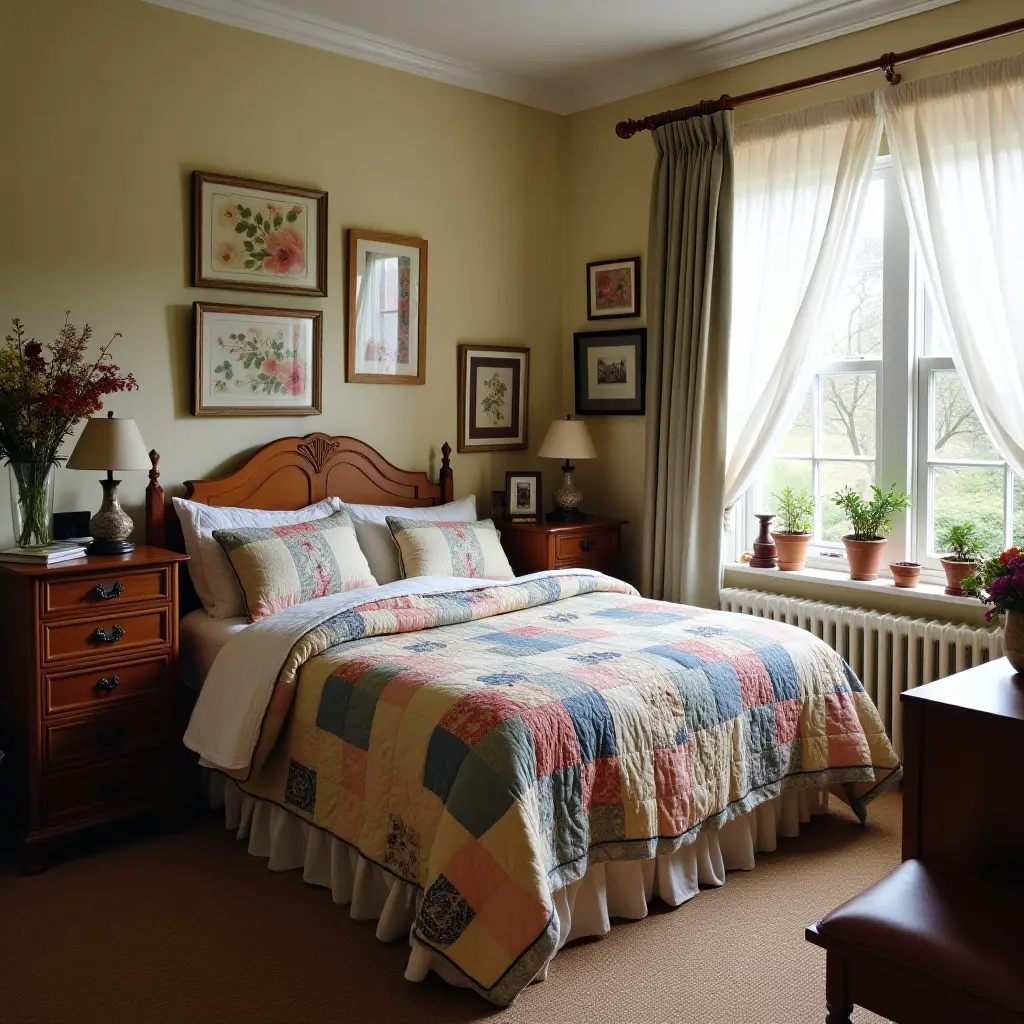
(1015, 564)
(1018, 580)
(999, 587)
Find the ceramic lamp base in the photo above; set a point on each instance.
(111, 526)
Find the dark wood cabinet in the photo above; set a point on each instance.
(594, 543)
(89, 715)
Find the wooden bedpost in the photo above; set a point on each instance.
(155, 533)
(445, 476)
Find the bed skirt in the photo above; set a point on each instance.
(619, 889)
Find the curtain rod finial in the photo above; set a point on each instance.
(627, 129)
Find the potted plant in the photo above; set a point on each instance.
(905, 574)
(795, 517)
(871, 521)
(42, 396)
(999, 582)
(962, 542)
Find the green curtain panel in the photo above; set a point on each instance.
(689, 297)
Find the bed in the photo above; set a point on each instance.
(492, 769)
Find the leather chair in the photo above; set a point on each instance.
(928, 944)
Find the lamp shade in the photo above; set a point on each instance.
(568, 439)
(108, 443)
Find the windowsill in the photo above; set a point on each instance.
(923, 596)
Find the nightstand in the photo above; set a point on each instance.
(593, 543)
(88, 712)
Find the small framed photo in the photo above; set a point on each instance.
(613, 289)
(494, 391)
(611, 372)
(523, 502)
(387, 309)
(258, 235)
(257, 361)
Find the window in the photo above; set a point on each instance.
(886, 406)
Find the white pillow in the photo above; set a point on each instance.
(211, 572)
(375, 537)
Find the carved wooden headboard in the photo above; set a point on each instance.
(296, 471)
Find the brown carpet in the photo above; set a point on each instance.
(189, 927)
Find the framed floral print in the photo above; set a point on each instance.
(258, 235)
(257, 361)
(386, 339)
(494, 392)
(613, 289)
(611, 372)
(523, 503)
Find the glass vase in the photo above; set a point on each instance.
(32, 502)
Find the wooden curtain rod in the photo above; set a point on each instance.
(887, 63)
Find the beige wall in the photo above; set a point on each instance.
(108, 106)
(607, 190)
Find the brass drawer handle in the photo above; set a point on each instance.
(110, 737)
(108, 685)
(109, 636)
(108, 591)
(587, 544)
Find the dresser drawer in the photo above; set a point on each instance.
(110, 591)
(592, 546)
(103, 685)
(107, 733)
(108, 790)
(112, 632)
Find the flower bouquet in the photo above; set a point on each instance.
(999, 582)
(43, 394)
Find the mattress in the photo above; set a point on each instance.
(200, 638)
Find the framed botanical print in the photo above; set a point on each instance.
(257, 361)
(387, 309)
(494, 391)
(258, 235)
(613, 289)
(523, 497)
(610, 372)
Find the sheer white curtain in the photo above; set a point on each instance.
(958, 145)
(801, 182)
(371, 335)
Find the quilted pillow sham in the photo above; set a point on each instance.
(279, 566)
(449, 549)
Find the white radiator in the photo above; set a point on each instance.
(889, 653)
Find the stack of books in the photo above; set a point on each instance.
(49, 554)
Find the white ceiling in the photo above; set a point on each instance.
(560, 55)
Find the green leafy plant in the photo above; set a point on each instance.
(871, 520)
(962, 542)
(795, 510)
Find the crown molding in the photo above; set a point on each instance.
(576, 90)
(272, 19)
(812, 23)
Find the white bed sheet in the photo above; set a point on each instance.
(200, 638)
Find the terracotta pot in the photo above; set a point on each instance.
(1013, 639)
(792, 548)
(864, 557)
(905, 574)
(956, 573)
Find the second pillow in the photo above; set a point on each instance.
(450, 549)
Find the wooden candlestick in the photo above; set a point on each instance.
(765, 555)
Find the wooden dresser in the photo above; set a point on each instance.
(594, 543)
(87, 706)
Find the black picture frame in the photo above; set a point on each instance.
(511, 478)
(612, 271)
(584, 345)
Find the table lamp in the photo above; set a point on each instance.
(108, 443)
(567, 439)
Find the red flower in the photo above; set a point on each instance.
(1008, 554)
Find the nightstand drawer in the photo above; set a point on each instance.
(104, 684)
(105, 791)
(113, 632)
(593, 546)
(108, 591)
(106, 734)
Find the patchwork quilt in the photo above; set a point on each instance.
(489, 745)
